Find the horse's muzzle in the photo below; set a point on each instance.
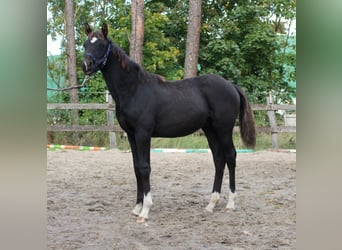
(88, 66)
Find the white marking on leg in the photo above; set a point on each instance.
(213, 200)
(137, 209)
(94, 39)
(147, 204)
(231, 204)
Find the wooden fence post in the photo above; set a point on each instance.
(110, 121)
(273, 123)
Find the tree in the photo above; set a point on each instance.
(71, 55)
(137, 32)
(238, 39)
(192, 39)
(239, 42)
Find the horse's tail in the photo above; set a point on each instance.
(246, 120)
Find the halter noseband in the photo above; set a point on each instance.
(100, 63)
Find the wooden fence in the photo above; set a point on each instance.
(270, 108)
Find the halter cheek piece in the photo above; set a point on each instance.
(100, 63)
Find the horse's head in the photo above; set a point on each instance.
(97, 49)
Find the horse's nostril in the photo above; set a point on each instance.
(87, 65)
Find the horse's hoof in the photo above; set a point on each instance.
(141, 220)
(230, 209)
(230, 206)
(210, 210)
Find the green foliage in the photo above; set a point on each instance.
(228, 65)
(160, 56)
(239, 40)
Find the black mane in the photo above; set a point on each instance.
(129, 65)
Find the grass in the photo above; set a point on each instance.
(285, 140)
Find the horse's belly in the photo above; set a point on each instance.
(160, 132)
(180, 125)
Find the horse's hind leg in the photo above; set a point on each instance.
(230, 156)
(219, 161)
(231, 162)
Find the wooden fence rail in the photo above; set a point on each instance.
(108, 106)
(270, 108)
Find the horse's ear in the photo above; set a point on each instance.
(87, 28)
(104, 30)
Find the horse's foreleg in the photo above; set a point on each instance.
(140, 192)
(137, 209)
(147, 201)
(143, 143)
(147, 204)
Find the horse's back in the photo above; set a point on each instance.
(215, 84)
(220, 94)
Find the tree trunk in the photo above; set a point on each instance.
(137, 34)
(192, 39)
(71, 55)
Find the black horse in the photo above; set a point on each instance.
(149, 106)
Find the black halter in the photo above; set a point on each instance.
(100, 63)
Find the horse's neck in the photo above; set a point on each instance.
(121, 84)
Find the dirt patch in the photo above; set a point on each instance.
(91, 195)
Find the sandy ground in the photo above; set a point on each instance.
(91, 195)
